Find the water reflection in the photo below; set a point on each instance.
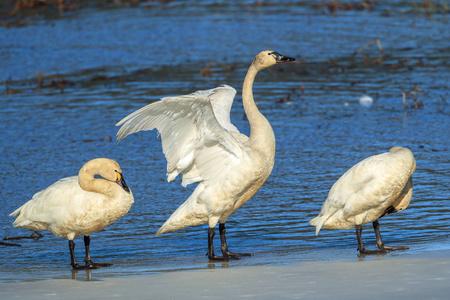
(213, 265)
(86, 275)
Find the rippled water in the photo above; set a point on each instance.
(67, 80)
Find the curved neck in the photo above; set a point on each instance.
(89, 183)
(261, 132)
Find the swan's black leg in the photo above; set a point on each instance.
(224, 245)
(380, 244)
(87, 258)
(73, 261)
(358, 229)
(87, 250)
(211, 255)
(361, 249)
(87, 253)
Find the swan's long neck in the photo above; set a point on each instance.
(88, 182)
(261, 133)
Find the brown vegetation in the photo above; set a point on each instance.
(412, 94)
(335, 5)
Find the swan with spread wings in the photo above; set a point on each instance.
(200, 143)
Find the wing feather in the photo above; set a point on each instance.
(369, 184)
(196, 132)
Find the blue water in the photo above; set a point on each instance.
(115, 60)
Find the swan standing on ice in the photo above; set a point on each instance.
(201, 143)
(377, 186)
(79, 205)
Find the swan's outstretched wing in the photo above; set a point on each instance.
(221, 99)
(197, 135)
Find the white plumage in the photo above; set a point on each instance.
(202, 145)
(376, 186)
(191, 126)
(78, 205)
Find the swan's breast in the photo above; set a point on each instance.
(99, 211)
(253, 178)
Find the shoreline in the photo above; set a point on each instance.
(411, 276)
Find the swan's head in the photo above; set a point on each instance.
(107, 169)
(268, 58)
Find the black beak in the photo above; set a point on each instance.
(123, 184)
(281, 58)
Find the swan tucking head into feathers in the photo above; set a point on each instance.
(107, 169)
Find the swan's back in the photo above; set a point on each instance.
(378, 175)
(47, 206)
(366, 189)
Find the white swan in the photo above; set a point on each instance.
(200, 143)
(79, 205)
(378, 185)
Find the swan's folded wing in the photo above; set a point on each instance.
(370, 184)
(195, 143)
(46, 205)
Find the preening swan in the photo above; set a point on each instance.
(201, 143)
(377, 186)
(79, 205)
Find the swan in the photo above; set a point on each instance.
(200, 142)
(374, 187)
(79, 205)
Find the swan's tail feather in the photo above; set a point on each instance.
(190, 213)
(22, 220)
(19, 221)
(318, 222)
(181, 219)
(15, 213)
